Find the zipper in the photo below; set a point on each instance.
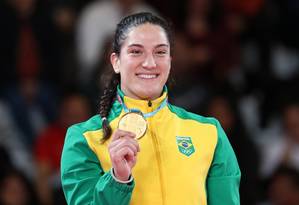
(159, 160)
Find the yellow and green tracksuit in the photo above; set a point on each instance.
(184, 159)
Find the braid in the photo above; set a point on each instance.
(105, 104)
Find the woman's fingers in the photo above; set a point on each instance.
(125, 141)
(123, 160)
(121, 133)
(126, 152)
(114, 151)
(123, 150)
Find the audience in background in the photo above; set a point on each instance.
(284, 149)
(32, 105)
(13, 149)
(283, 187)
(50, 46)
(74, 108)
(16, 189)
(29, 42)
(224, 108)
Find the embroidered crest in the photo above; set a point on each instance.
(185, 145)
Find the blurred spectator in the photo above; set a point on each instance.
(246, 7)
(283, 149)
(271, 54)
(32, 105)
(29, 43)
(223, 108)
(211, 46)
(15, 189)
(284, 62)
(95, 25)
(198, 31)
(64, 18)
(13, 149)
(187, 87)
(283, 188)
(74, 108)
(214, 36)
(65, 15)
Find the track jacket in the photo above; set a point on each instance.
(184, 159)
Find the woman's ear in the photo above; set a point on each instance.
(114, 59)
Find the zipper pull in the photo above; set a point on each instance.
(149, 103)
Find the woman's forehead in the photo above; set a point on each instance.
(146, 34)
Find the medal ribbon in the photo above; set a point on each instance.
(145, 115)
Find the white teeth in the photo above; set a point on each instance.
(146, 76)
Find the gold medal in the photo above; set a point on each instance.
(133, 122)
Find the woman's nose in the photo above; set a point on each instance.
(149, 62)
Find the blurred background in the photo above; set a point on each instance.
(236, 60)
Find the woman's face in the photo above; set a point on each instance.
(144, 62)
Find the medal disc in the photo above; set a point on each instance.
(133, 122)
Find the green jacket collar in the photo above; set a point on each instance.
(142, 105)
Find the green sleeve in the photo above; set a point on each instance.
(224, 174)
(83, 179)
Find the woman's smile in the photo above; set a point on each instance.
(147, 76)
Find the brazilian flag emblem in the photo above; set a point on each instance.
(185, 145)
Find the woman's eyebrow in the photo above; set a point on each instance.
(162, 45)
(139, 45)
(135, 45)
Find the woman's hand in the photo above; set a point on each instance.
(123, 150)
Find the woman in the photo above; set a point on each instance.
(141, 149)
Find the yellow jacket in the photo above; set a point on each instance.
(184, 159)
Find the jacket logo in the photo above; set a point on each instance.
(185, 145)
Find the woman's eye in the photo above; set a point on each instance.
(161, 53)
(135, 52)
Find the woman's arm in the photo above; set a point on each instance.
(83, 179)
(224, 174)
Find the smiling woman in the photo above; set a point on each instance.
(140, 149)
(144, 62)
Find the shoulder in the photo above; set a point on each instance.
(184, 114)
(75, 143)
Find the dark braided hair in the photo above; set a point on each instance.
(106, 102)
(121, 33)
